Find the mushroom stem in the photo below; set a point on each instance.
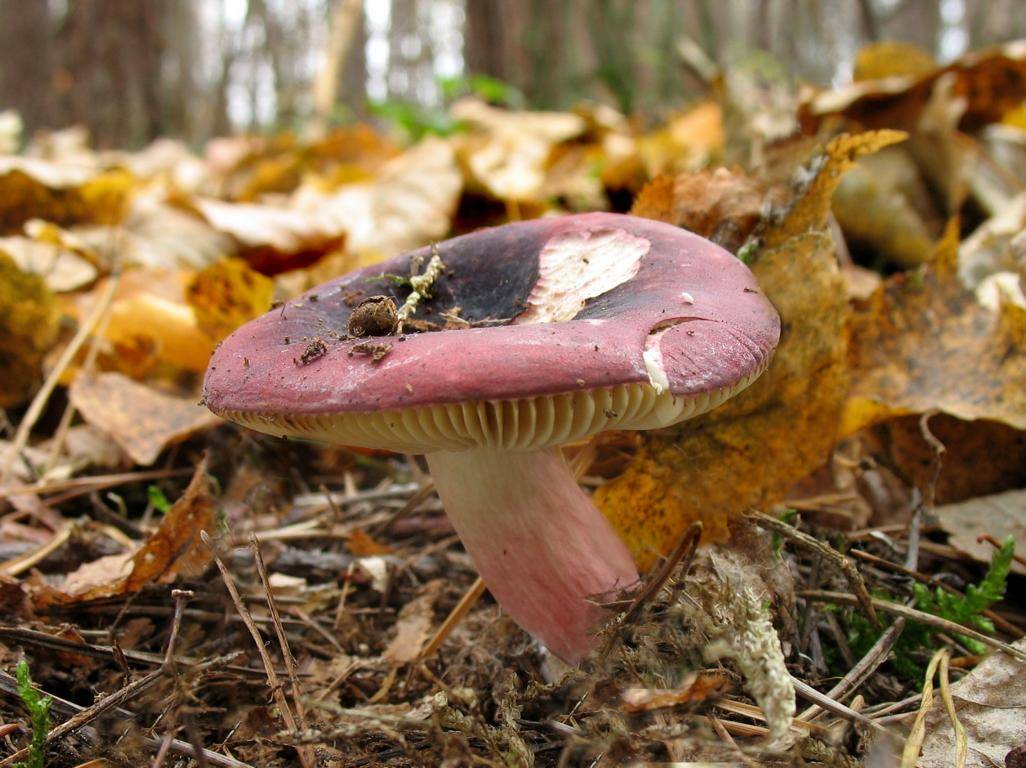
(547, 555)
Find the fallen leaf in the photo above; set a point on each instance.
(409, 204)
(271, 238)
(714, 467)
(140, 419)
(687, 143)
(414, 625)
(923, 342)
(992, 82)
(697, 687)
(723, 205)
(62, 269)
(991, 705)
(63, 193)
(506, 152)
(174, 550)
(227, 294)
(28, 329)
(360, 544)
(891, 58)
(999, 516)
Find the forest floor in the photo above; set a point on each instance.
(183, 591)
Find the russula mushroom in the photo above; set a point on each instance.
(534, 334)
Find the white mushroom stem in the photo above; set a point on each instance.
(545, 552)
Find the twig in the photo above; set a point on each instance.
(846, 566)
(308, 759)
(35, 409)
(92, 482)
(911, 613)
(863, 669)
(273, 681)
(809, 693)
(455, 616)
(17, 565)
(684, 551)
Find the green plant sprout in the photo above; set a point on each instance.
(39, 714)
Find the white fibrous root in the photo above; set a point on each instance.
(730, 609)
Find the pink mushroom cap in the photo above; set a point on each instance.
(566, 327)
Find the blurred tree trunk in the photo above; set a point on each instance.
(112, 53)
(26, 77)
(344, 20)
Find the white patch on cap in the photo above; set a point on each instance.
(578, 266)
(688, 298)
(653, 357)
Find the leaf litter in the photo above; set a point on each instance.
(357, 633)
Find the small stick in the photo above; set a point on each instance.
(455, 616)
(809, 693)
(283, 643)
(911, 613)
(858, 674)
(272, 675)
(846, 566)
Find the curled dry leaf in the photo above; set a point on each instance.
(714, 467)
(992, 83)
(28, 329)
(506, 152)
(723, 205)
(414, 626)
(923, 342)
(227, 294)
(696, 688)
(174, 550)
(140, 419)
(62, 193)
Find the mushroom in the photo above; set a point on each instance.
(567, 327)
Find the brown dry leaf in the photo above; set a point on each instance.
(923, 342)
(697, 687)
(360, 543)
(174, 550)
(1000, 516)
(992, 82)
(140, 419)
(227, 294)
(991, 705)
(271, 238)
(409, 204)
(28, 329)
(506, 152)
(414, 625)
(714, 467)
(63, 193)
(723, 205)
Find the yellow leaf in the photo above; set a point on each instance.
(227, 294)
(752, 449)
(892, 58)
(64, 194)
(28, 328)
(923, 342)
